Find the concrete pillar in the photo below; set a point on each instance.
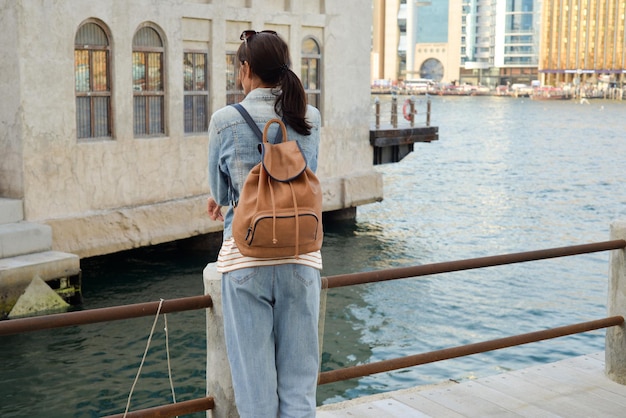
(218, 381)
(615, 351)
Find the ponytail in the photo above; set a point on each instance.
(291, 102)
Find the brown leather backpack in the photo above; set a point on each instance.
(279, 213)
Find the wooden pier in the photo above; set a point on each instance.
(393, 141)
(572, 388)
(391, 144)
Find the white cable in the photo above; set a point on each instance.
(145, 353)
(169, 366)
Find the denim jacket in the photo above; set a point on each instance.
(233, 147)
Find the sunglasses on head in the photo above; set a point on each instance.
(247, 34)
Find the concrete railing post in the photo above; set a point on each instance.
(218, 381)
(615, 351)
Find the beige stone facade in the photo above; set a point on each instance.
(109, 194)
(398, 56)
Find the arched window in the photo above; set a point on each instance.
(93, 82)
(432, 69)
(148, 85)
(311, 71)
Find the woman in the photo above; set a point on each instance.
(271, 306)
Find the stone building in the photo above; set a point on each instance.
(105, 107)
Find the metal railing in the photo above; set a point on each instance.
(92, 316)
(459, 265)
(14, 326)
(471, 263)
(114, 313)
(172, 410)
(464, 350)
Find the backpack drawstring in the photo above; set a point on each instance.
(269, 183)
(297, 217)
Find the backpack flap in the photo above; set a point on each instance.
(284, 161)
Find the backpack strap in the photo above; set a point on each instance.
(254, 126)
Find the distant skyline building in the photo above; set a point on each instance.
(435, 33)
(583, 41)
(500, 41)
(416, 39)
(386, 45)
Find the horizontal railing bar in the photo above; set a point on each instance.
(465, 350)
(171, 410)
(471, 263)
(113, 313)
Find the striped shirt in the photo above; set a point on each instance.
(229, 259)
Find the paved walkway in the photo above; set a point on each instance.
(570, 388)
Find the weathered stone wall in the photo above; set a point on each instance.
(11, 174)
(109, 195)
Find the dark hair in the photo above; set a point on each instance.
(267, 55)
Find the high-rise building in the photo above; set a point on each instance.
(434, 39)
(583, 41)
(500, 41)
(386, 46)
(416, 39)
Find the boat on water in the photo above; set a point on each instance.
(461, 90)
(551, 93)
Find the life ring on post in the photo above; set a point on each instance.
(406, 109)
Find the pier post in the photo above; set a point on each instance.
(394, 111)
(428, 112)
(615, 350)
(219, 383)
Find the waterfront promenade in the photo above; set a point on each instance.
(575, 387)
(494, 183)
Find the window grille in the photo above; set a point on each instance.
(92, 82)
(311, 71)
(148, 85)
(196, 88)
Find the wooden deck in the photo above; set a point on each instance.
(571, 388)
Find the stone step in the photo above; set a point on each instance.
(11, 210)
(21, 238)
(60, 270)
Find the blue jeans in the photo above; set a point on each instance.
(270, 323)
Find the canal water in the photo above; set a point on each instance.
(506, 175)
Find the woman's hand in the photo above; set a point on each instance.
(214, 210)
